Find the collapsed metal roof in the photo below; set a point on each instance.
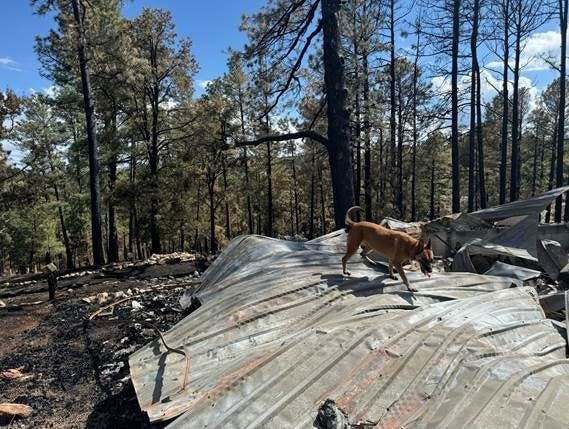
(282, 339)
(530, 206)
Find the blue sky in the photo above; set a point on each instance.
(212, 25)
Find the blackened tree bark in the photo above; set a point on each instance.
(338, 117)
(269, 228)
(295, 189)
(515, 158)
(367, 140)
(96, 231)
(322, 204)
(505, 102)
(338, 142)
(357, 136)
(312, 195)
(563, 4)
(113, 249)
(392, 99)
(415, 132)
(479, 138)
(473, 108)
(454, 108)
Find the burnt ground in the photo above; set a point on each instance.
(76, 371)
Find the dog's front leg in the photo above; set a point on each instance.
(401, 272)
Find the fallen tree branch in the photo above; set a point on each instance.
(283, 137)
(112, 304)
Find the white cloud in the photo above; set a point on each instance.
(490, 85)
(8, 63)
(441, 85)
(50, 91)
(5, 61)
(203, 83)
(536, 49)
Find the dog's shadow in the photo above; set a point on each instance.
(365, 286)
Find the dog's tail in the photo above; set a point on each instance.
(348, 220)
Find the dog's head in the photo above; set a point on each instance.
(425, 257)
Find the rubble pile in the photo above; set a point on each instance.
(66, 368)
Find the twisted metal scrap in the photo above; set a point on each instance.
(173, 350)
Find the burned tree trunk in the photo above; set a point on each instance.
(505, 106)
(95, 191)
(563, 5)
(392, 101)
(312, 196)
(515, 159)
(367, 142)
(454, 108)
(473, 108)
(338, 117)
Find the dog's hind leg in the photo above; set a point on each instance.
(352, 248)
(391, 275)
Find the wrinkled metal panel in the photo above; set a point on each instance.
(280, 331)
(462, 261)
(531, 206)
(513, 271)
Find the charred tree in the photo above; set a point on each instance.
(94, 186)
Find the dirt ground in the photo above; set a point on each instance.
(76, 371)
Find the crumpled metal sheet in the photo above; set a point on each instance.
(411, 228)
(530, 206)
(280, 332)
(512, 271)
(463, 260)
(552, 257)
(456, 222)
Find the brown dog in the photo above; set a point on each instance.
(397, 246)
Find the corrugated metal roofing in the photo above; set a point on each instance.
(280, 332)
(531, 206)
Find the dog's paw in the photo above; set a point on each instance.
(392, 277)
(347, 273)
(412, 289)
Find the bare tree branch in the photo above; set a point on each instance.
(283, 137)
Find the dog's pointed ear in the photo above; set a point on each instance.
(428, 245)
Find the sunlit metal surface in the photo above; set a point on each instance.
(281, 331)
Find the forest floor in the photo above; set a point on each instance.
(73, 372)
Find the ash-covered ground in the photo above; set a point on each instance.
(74, 372)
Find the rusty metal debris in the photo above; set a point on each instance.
(172, 350)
